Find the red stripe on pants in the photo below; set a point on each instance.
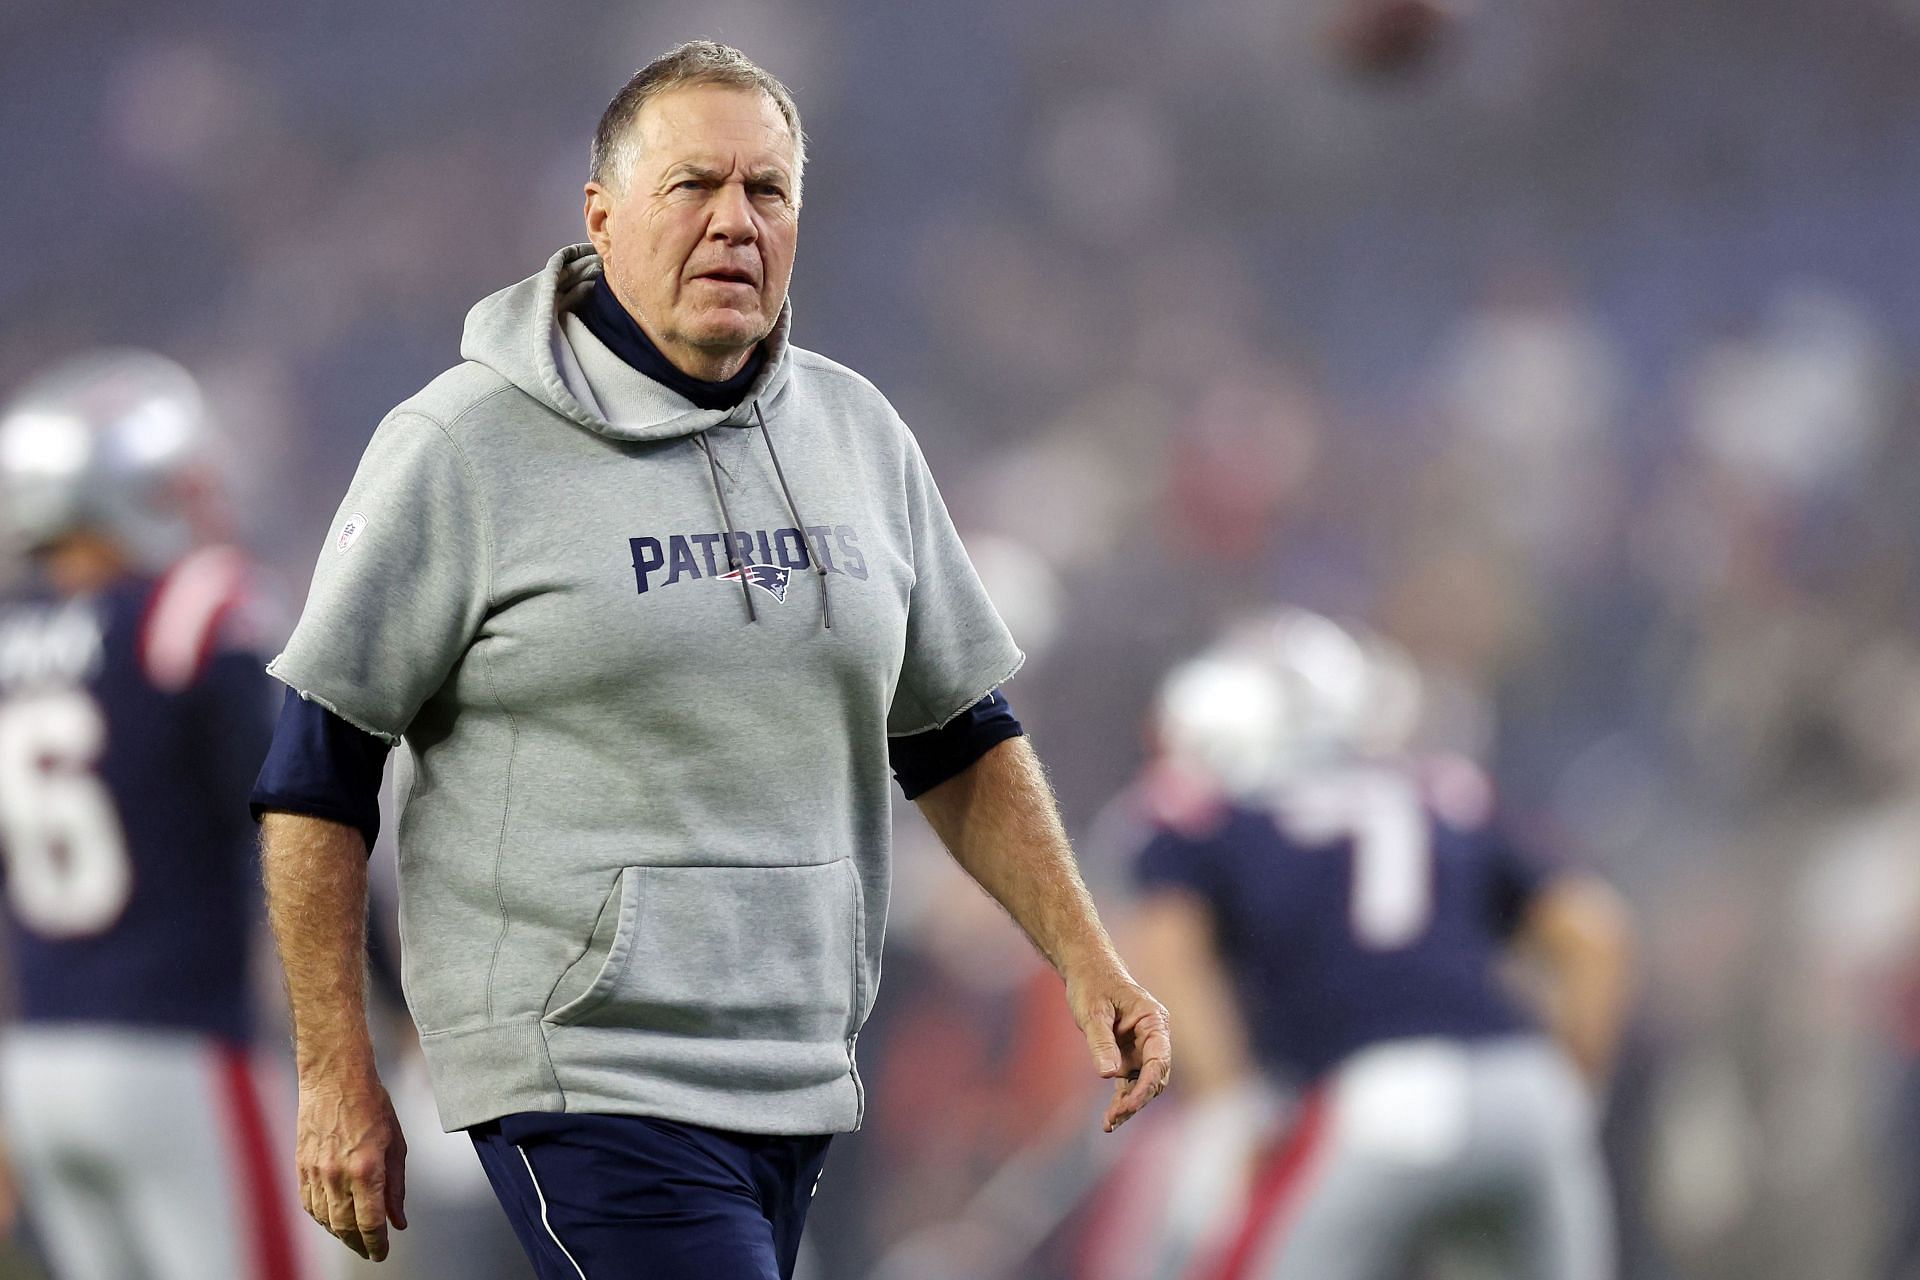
(1276, 1192)
(259, 1173)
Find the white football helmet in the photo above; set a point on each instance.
(1285, 692)
(1221, 716)
(109, 442)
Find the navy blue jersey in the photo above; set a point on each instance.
(130, 728)
(1358, 908)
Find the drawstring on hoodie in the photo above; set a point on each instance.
(733, 557)
(734, 562)
(826, 600)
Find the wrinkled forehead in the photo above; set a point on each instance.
(713, 127)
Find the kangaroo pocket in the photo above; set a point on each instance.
(736, 953)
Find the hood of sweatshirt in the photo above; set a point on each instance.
(517, 333)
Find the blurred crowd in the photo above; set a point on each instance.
(1579, 361)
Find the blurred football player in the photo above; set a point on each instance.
(1325, 913)
(133, 714)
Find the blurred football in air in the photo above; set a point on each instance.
(1390, 37)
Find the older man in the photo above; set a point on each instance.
(654, 599)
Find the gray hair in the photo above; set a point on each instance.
(693, 63)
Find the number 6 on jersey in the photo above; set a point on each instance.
(66, 854)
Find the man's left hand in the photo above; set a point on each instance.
(1128, 1032)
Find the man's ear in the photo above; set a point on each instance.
(598, 211)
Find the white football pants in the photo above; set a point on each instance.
(151, 1155)
(1404, 1136)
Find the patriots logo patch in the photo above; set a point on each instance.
(349, 531)
(770, 578)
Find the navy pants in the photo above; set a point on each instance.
(597, 1197)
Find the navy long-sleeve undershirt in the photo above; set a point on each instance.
(320, 765)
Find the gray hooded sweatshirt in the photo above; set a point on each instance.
(643, 835)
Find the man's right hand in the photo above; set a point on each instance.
(352, 1157)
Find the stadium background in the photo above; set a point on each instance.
(1580, 361)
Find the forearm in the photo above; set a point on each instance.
(316, 883)
(1582, 932)
(1000, 822)
(1589, 1011)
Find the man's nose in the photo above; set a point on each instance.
(732, 219)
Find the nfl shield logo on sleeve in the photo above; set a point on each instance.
(349, 531)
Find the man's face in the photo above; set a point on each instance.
(699, 246)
